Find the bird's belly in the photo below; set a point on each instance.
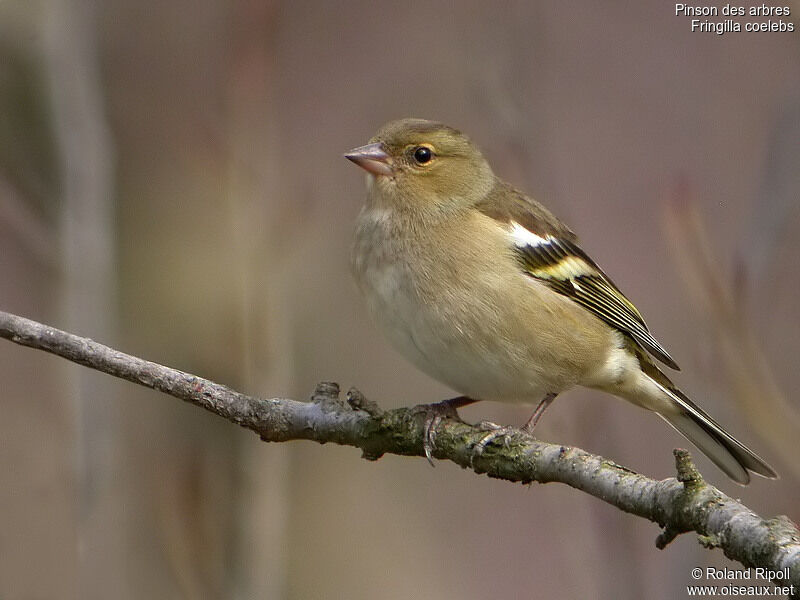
(469, 347)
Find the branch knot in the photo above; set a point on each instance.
(688, 474)
(359, 401)
(326, 394)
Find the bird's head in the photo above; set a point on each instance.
(420, 164)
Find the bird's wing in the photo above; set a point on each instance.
(548, 251)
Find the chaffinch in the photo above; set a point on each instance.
(484, 289)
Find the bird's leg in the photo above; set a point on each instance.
(434, 414)
(496, 431)
(537, 414)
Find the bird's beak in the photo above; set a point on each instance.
(372, 158)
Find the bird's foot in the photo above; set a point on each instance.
(495, 431)
(434, 414)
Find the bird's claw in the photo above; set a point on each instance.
(429, 440)
(494, 431)
(434, 415)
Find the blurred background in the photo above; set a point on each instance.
(171, 183)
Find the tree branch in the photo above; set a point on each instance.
(679, 505)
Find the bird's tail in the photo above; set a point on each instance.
(724, 450)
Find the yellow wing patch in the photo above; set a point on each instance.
(568, 270)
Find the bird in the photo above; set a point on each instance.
(484, 289)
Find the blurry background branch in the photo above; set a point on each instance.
(32, 232)
(83, 162)
(679, 505)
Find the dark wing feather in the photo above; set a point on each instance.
(548, 251)
(568, 270)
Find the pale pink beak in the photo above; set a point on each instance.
(372, 158)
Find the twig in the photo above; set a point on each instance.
(678, 505)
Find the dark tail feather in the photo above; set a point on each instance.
(728, 453)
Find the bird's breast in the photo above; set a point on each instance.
(382, 262)
(446, 310)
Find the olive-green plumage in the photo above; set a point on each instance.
(486, 290)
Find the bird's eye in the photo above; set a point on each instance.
(422, 155)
